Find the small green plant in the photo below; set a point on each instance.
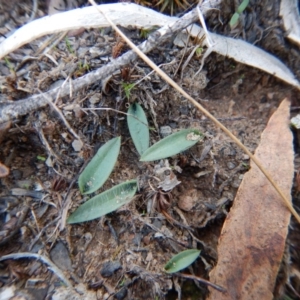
(245, 165)
(144, 33)
(235, 17)
(127, 87)
(26, 186)
(181, 260)
(169, 146)
(68, 44)
(83, 66)
(121, 284)
(100, 167)
(82, 69)
(8, 64)
(199, 51)
(42, 158)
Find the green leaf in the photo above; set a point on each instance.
(242, 6)
(234, 19)
(181, 260)
(138, 127)
(104, 203)
(172, 144)
(100, 167)
(127, 88)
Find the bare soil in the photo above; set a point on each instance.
(122, 255)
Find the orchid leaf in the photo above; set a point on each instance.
(181, 260)
(138, 127)
(172, 145)
(243, 6)
(234, 19)
(104, 203)
(99, 168)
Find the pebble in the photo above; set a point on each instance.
(165, 131)
(60, 256)
(231, 165)
(236, 183)
(109, 268)
(186, 203)
(120, 295)
(95, 98)
(16, 174)
(77, 145)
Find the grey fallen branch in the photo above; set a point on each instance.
(44, 259)
(13, 110)
(290, 15)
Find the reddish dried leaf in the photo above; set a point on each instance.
(253, 237)
(4, 127)
(4, 170)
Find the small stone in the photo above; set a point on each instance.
(17, 174)
(60, 256)
(270, 96)
(296, 121)
(188, 200)
(184, 110)
(245, 157)
(165, 131)
(49, 162)
(43, 116)
(186, 203)
(109, 268)
(95, 98)
(64, 135)
(236, 183)
(120, 295)
(231, 165)
(77, 145)
(79, 161)
(147, 239)
(201, 80)
(149, 257)
(228, 195)
(222, 201)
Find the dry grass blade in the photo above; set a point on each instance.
(203, 110)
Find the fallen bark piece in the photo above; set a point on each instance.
(252, 240)
(290, 15)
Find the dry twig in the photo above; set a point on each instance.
(193, 277)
